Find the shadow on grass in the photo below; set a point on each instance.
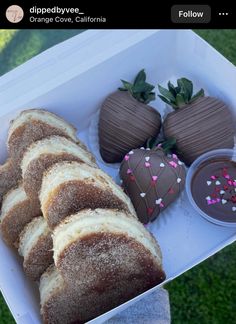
(28, 43)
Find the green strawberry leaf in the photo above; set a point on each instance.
(165, 100)
(188, 86)
(164, 92)
(140, 78)
(171, 89)
(180, 95)
(151, 97)
(199, 94)
(140, 89)
(168, 145)
(180, 100)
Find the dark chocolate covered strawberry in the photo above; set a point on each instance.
(198, 123)
(152, 179)
(126, 120)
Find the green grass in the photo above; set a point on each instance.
(205, 294)
(16, 47)
(5, 315)
(224, 40)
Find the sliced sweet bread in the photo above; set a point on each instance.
(10, 175)
(68, 187)
(108, 246)
(35, 245)
(42, 154)
(17, 211)
(32, 125)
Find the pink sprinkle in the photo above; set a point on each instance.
(147, 164)
(154, 178)
(129, 171)
(159, 145)
(171, 190)
(224, 171)
(227, 176)
(150, 211)
(213, 201)
(230, 182)
(161, 205)
(132, 178)
(234, 183)
(213, 177)
(126, 157)
(173, 164)
(174, 156)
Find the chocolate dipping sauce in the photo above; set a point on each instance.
(213, 188)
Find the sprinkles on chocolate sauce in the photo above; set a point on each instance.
(218, 196)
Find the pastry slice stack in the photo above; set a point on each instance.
(79, 232)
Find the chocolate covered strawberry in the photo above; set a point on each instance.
(126, 120)
(198, 123)
(152, 179)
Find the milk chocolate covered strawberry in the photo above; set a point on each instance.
(198, 123)
(152, 179)
(126, 120)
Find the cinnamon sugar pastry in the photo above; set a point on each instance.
(32, 125)
(68, 187)
(61, 303)
(36, 247)
(17, 211)
(43, 154)
(104, 257)
(10, 175)
(108, 246)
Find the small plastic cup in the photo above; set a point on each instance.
(222, 153)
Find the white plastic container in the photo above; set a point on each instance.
(72, 79)
(222, 153)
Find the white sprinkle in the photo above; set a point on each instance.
(142, 148)
(224, 201)
(180, 163)
(235, 189)
(179, 180)
(147, 158)
(162, 165)
(148, 149)
(158, 201)
(142, 194)
(208, 183)
(131, 152)
(217, 182)
(208, 198)
(222, 192)
(233, 208)
(121, 181)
